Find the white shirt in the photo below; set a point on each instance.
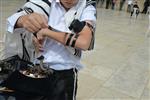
(56, 54)
(130, 2)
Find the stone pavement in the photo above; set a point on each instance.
(118, 67)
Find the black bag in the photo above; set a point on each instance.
(11, 64)
(34, 86)
(19, 82)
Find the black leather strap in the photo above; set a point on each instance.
(74, 40)
(89, 25)
(69, 39)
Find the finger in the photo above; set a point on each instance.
(41, 49)
(41, 42)
(33, 20)
(30, 30)
(45, 21)
(36, 24)
(34, 39)
(40, 37)
(38, 46)
(29, 26)
(40, 20)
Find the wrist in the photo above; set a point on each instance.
(19, 22)
(45, 31)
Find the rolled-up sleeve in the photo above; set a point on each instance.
(89, 13)
(11, 21)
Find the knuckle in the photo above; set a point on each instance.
(41, 22)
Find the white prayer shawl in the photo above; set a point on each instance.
(75, 12)
(13, 43)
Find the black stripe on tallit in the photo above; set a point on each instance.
(41, 8)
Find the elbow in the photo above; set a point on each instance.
(84, 45)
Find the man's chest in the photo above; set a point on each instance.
(57, 18)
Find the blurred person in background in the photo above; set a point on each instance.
(108, 4)
(135, 9)
(130, 4)
(113, 3)
(146, 5)
(121, 4)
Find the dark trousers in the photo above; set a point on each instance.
(107, 4)
(113, 5)
(121, 4)
(65, 88)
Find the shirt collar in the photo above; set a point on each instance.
(56, 0)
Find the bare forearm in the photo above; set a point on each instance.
(58, 36)
(82, 42)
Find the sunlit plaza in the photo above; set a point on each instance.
(118, 67)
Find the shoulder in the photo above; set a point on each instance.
(89, 13)
(91, 3)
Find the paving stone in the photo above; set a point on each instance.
(117, 69)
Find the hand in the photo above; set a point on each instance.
(39, 40)
(38, 44)
(32, 22)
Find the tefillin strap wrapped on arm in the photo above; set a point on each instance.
(94, 4)
(71, 39)
(77, 27)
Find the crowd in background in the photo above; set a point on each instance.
(120, 4)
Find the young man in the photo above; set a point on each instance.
(135, 10)
(60, 44)
(130, 4)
